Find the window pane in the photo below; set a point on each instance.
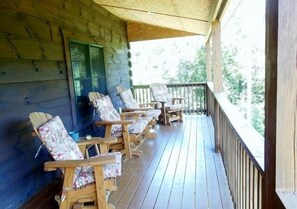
(79, 60)
(99, 85)
(97, 61)
(82, 86)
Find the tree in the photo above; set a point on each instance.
(192, 71)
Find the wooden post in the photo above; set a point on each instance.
(286, 114)
(208, 62)
(280, 100)
(217, 78)
(268, 192)
(217, 56)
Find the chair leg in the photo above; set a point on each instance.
(163, 112)
(181, 115)
(100, 188)
(67, 185)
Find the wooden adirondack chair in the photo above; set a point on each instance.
(85, 181)
(128, 127)
(131, 104)
(172, 108)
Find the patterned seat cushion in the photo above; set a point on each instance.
(160, 93)
(130, 103)
(153, 113)
(175, 106)
(62, 147)
(107, 112)
(128, 99)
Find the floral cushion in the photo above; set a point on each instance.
(153, 113)
(56, 139)
(128, 99)
(130, 103)
(160, 93)
(106, 112)
(139, 125)
(62, 147)
(86, 174)
(175, 106)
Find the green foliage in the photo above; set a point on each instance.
(233, 80)
(257, 118)
(192, 71)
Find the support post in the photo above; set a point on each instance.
(217, 78)
(208, 62)
(217, 57)
(269, 200)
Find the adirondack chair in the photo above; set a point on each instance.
(171, 108)
(85, 181)
(131, 105)
(130, 129)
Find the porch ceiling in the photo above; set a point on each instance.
(167, 18)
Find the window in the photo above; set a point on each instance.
(88, 70)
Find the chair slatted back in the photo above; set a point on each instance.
(37, 119)
(95, 95)
(120, 89)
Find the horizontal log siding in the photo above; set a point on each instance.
(33, 77)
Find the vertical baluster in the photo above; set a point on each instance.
(260, 191)
(245, 180)
(251, 185)
(237, 191)
(194, 98)
(242, 178)
(255, 183)
(148, 94)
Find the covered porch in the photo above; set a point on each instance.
(231, 167)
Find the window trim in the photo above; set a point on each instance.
(69, 36)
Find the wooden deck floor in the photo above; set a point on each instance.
(178, 170)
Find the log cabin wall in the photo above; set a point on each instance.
(33, 77)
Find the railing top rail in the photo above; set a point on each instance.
(173, 84)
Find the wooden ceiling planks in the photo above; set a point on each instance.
(190, 16)
(142, 32)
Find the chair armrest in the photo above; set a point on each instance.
(180, 99)
(162, 102)
(135, 113)
(97, 140)
(118, 122)
(177, 98)
(149, 104)
(100, 160)
(138, 109)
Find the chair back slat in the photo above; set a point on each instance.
(39, 118)
(95, 95)
(120, 89)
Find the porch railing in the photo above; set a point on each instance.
(242, 149)
(194, 95)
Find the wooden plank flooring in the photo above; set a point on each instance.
(178, 170)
